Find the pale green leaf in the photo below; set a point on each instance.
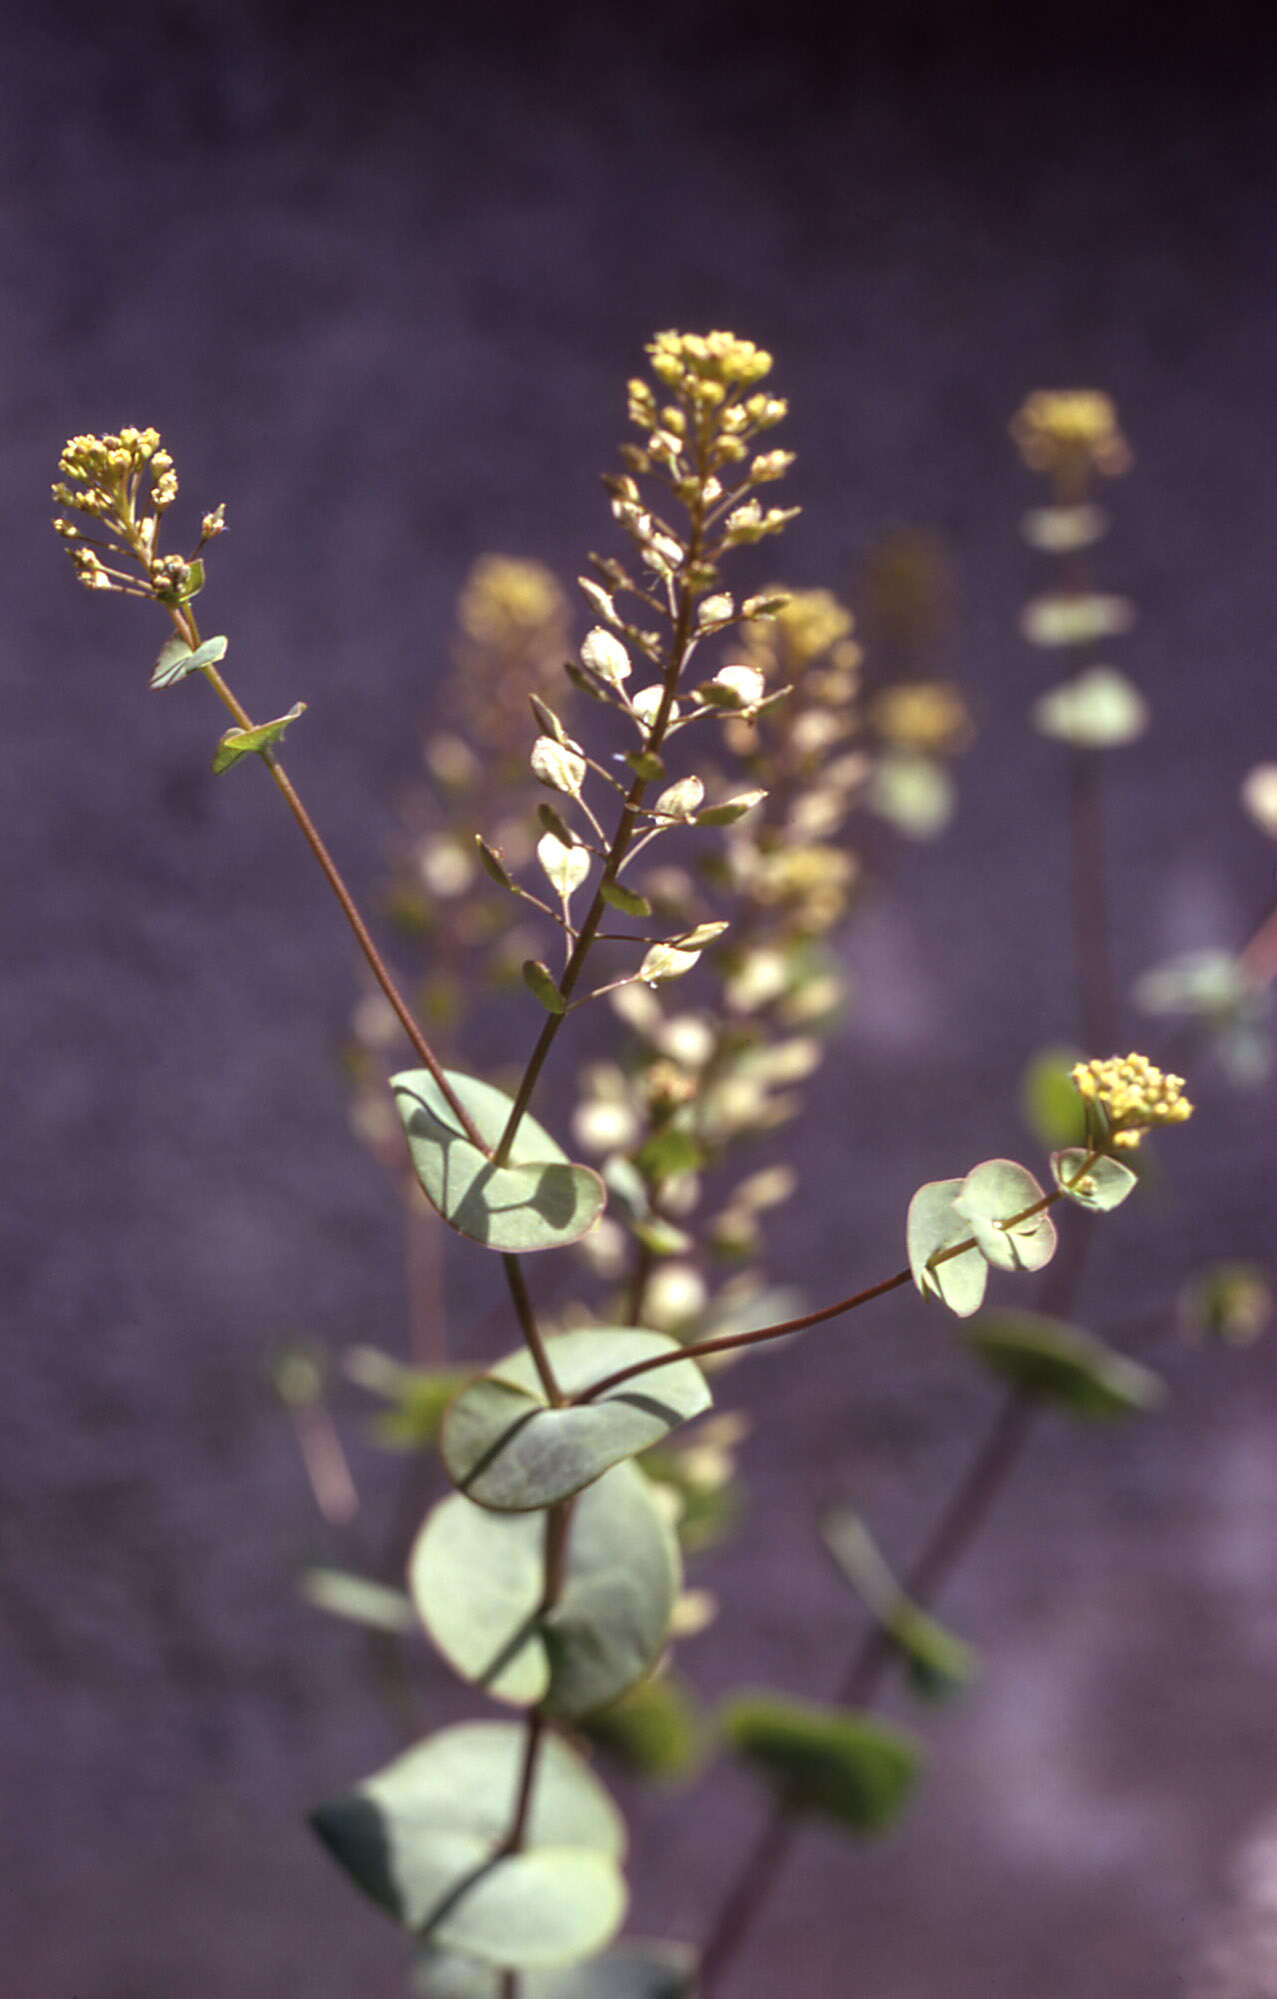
(239, 743)
(478, 1578)
(423, 1837)
(990, 1195)
(1064, 530)
(666, 961)
(663, 1237)
(914, 793)
(628, 900)
(934, 1225)
(680, 800)
(492, 863)
(177, 659)
(1099, 710)
(730, 810)
(506, 1448)
(1105, 1184)
(565, 864)
(605, 656)
(703, 934)
(539, 1201)
(357, 1598)
(541, 983)
(633, 1970)
(1075, 620)
(561, 766)
(1058, 1363)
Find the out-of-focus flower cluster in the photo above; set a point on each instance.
(918, 720)
(695, 1083)
(1070, 433)
(512, 619)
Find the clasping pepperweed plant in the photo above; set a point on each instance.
(549, 1577)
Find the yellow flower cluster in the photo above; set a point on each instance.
(1069, 432)
(686, 362)
(1133, 1094)
(924, 715)
(810, 623)
(507, 601)
(111, 469)
(514, 631)
(809, 883)
(124, 480)
(705, 429)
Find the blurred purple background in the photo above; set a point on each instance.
(380, 284)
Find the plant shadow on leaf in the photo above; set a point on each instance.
(539, 1200)
(425, 1838)
(506, 1448)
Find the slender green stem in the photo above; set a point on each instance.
(186, 627)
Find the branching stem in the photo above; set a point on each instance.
(727, 1342)
(681, 642)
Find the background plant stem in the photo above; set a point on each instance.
(959, 1523)
(969, 1505)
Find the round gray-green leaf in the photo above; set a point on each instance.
(506, 1448)
(547, 1907)
(990, 1195)
(934, 1225)
(1058, 1363)
(539, 1201)
(632, 1971)
(914, 793)
(477, 1579)
(1075, 620)
(423, 1838)
(1104, 1185)
(1099, 710)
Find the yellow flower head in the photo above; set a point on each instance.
(110, 470)
(1133, 1095)
(687, 362)
(925, 715)
(124, 481)
(1070, 432)
(809, 625)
